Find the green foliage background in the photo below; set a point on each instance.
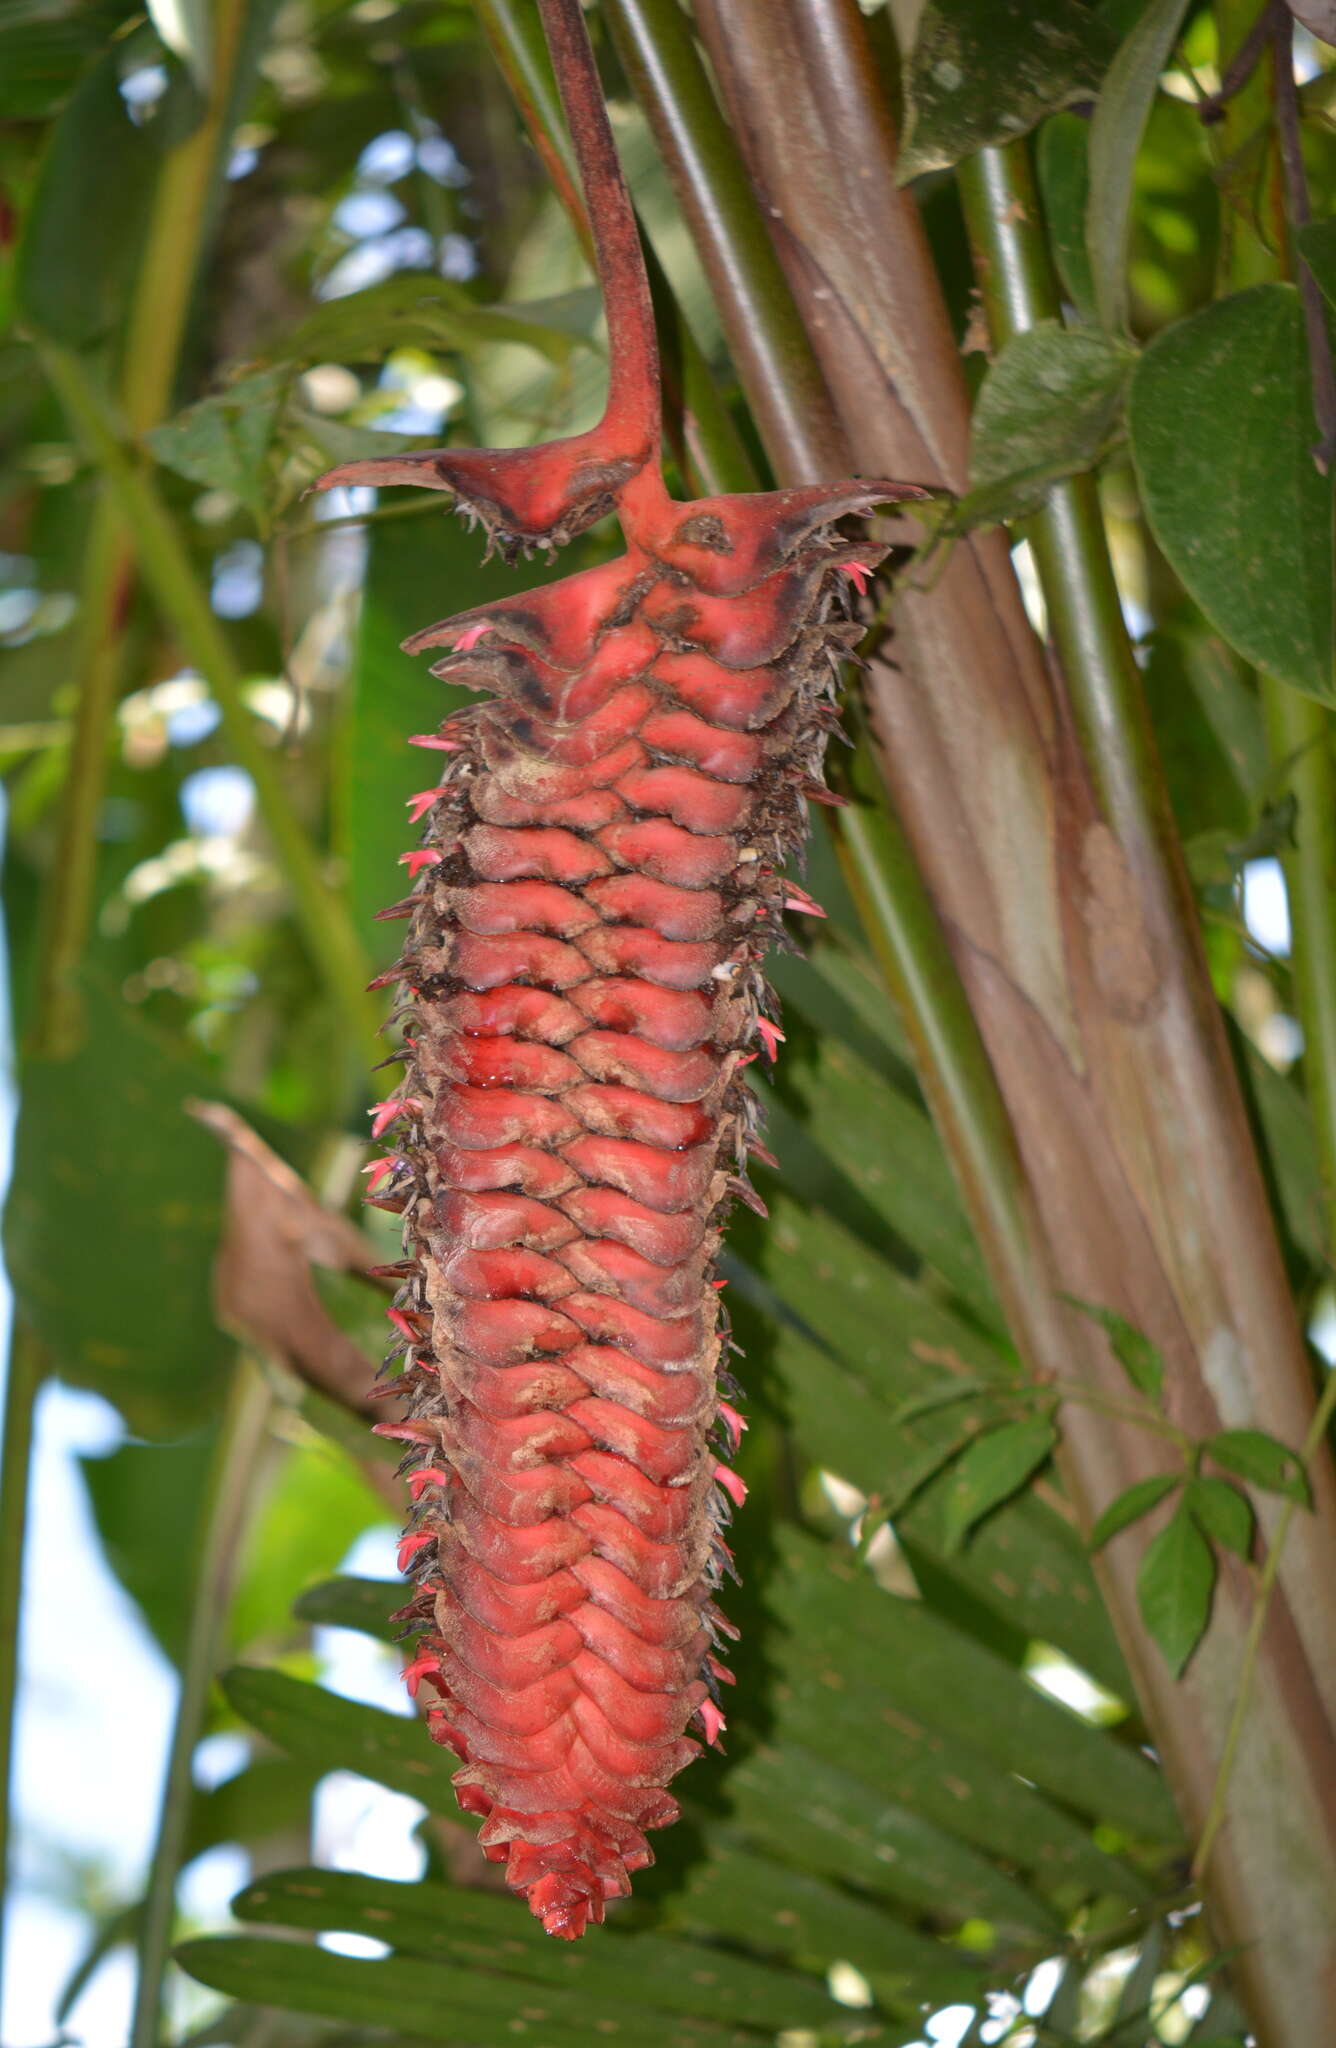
(909, 1814)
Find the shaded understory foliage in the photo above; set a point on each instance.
(329, 237)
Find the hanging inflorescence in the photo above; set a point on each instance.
(598, 881)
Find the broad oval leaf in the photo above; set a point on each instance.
(1174, 1587)
(1043, 412)
(224, 442)
(112, 1117)
(1221, 424)
(985, 71)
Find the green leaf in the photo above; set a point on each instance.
(1120, 117)
(40, 63)
(83, 229)
(334, 1734)
(1174, 1587)
(985, 71)
(733, 1895)
(1062, 165)
(113, 1219)
(224, 441)
(938, 1398)
(1131, 1505)
(184, 28)
(1262, 1461)
(476, 1931)
(1044, 411)
(417, 571)
(422, 1999)
(145, 1500)
(992, 1469)
(266, 1799)
(310, 1518)
(417, 310)
(364, 1604)
(1133, 1350)
(1223, 1513)
(1243, 516)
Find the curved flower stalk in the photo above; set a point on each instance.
(598, 881)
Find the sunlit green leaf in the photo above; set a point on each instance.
(415, 310)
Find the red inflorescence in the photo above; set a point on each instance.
(597, 885)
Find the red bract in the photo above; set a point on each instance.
(598, 884)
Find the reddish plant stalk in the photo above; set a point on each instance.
(598, 882)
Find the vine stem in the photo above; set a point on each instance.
(1252, 1645)
(223, 1521)
(166, 567)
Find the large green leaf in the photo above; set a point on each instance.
(462, 2006)
(777, 1908)
(414, 310)
(985, 71)
(83, 229)
(877, 1340)
(112, 1221)
(1221, 425)
(41, 59)
(480, 1931)
(333, 1734)
(883, 1143)
(146, 1500)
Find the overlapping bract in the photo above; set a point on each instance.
(598, 883)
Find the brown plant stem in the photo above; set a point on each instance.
(1034, 814)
